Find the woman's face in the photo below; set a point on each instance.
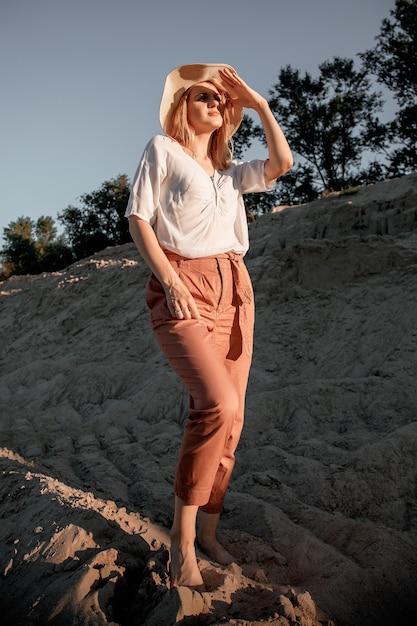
(205, 106)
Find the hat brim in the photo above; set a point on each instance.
(185, 76)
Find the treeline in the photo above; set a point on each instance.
(333, 125)
(33, 247)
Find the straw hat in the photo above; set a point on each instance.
(181, 79)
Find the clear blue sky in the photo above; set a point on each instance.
(81, 79)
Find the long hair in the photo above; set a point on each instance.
(220, 148)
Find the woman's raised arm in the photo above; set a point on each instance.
(280, 158)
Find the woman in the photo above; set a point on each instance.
(187, 219)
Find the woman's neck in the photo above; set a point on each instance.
(199, 151)
(200, 146)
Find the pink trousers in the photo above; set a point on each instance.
(212, 356)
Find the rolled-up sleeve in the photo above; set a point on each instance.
(250, 177)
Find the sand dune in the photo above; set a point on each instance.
(322, 508)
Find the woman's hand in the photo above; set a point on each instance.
(180, 302)
(279, 158)
(239, 92)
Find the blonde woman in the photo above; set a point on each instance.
(187, 219)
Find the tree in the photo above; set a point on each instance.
(33, 247)
(100, 221)
(20, 256)
(56, 255)
(23, 226)
(45, 233)
(297, 186)
(330, 122)
(394, 62)
(242, 139)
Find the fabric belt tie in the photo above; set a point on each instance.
(244, 292)
(242, 286)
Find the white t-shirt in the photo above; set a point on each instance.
(192, 213)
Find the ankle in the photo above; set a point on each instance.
(179, 540)
(206, 537)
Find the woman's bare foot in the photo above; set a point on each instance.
(208, 542)
(184, 568)
(215, 551)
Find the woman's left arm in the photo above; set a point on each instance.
(280, 158)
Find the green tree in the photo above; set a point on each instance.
(242, 139)
(33, 247)
(330, 123)
(297, 186)
(19, 257)
(19, 253)
(394, 62)
(45, 233)
(100, 221)
(56, 255)
(23, 226)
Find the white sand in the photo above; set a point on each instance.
(322, 506)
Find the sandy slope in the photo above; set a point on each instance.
(322, 507)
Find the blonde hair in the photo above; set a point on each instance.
(220, 147)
